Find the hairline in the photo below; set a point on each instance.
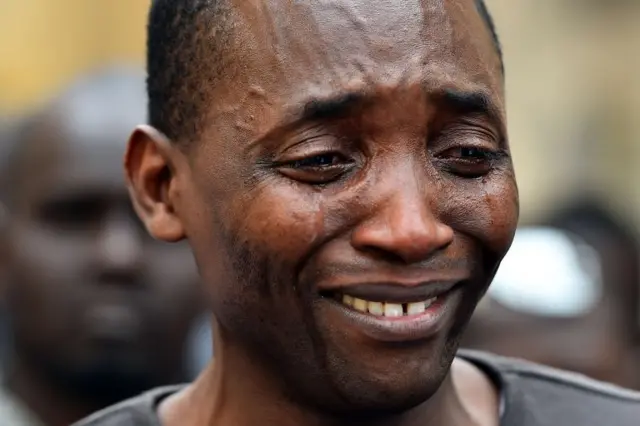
(162, 112)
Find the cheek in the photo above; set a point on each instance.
(249, 242)
(486, 210)
(51, 258)
(283, 219)
(46, 278)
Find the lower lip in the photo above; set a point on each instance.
(405, 328)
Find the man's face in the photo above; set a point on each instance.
(356, 149)
(92, 298)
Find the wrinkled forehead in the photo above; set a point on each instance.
(381, 41)
(284, 53)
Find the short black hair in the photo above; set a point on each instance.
(488, 20)
(179, 65)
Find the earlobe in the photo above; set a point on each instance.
(151, 175)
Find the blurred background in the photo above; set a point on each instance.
(568, 292)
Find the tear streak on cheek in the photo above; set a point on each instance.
(488, 213)
(281, 219)
(500, 203)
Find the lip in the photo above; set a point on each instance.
(406, 328)
(396, 292)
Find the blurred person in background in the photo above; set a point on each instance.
(5, 138)
(570, 283)
(618, 248)
(98, 311)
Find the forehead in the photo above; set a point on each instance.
(287, 48)
(79, 145)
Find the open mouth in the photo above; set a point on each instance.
(394, 313)
(385, 309)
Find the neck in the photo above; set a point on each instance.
(47, 400)
(236, 391)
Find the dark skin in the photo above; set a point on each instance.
(359, 143)
(99, 310)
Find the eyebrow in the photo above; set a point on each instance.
(462, 102)
(342, 104)
(333, 107)
(469, 103)
(315, 109)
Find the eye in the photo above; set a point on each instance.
(469, 161)
(317, 161)
(75, 213)
(317, 169)
(470, 153)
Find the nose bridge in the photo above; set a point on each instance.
(408, 205)
(119, 243)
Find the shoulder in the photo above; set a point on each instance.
(138, 411)
(550, 395)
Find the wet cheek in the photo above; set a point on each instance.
(283, 221)
(486, 211)
(501, 204)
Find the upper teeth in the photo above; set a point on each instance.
(387, 309)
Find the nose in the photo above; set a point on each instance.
(403, 228)
(120, 248)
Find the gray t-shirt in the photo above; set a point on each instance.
(532, 395)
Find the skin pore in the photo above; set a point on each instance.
(353, 148)
(99, 311)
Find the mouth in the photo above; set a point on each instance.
(395, 313)
(385, 309)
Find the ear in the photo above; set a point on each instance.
(151, 168)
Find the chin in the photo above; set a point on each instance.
(391, 399)
(389, 387)
(363, 398)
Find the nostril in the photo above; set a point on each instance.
(381, 254)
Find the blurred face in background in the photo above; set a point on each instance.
(93, 300)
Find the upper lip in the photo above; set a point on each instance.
(397, 292)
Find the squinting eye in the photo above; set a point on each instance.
(469, 161)
(317, 169)
(471, 153)
(317, 161)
